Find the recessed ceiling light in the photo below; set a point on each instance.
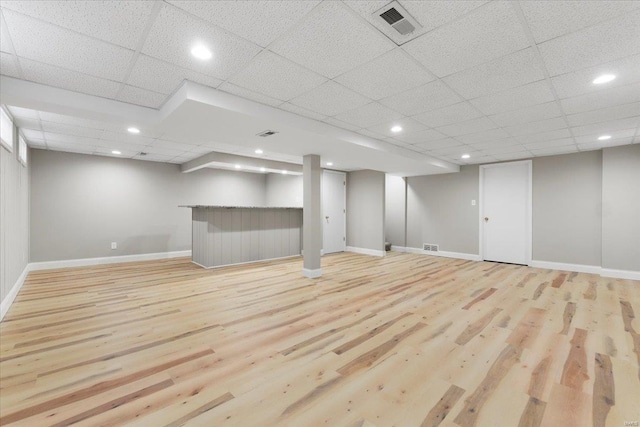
(284, 172)
(262, 169)
(238, 166)
(259, 151)
(605, 78)
(465, 156)
(604, 137)
(133, 130)
(329, 163)
(116, 152)
(396, 129)
(201, 52)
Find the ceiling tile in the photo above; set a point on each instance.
(455, 152)
(339, 123)
(439, 143)
(153, 158)
(550, 19)
(487, 135)
(469, 126)
(27, 123)
(371, 134)
(605, 114)
(422, 137)
(71, 148)
(301, 111)
(277, 77)
(368, 115)
(31, 134)
(53, 45)
(606, 127)
(175, 32)
(549, 143)
(600, 43)
(258, 21)
(9, 65)
(143, 97)
(172, 145)
(72, 120)
(249, 94)
(508, 149)
(5, 38)
(486, 33)
(431, 96)
(68, 79)
(510, 71)
(64, 129)
(615, 135)
(479, 160)
(332, 40)
(330, 99)
(387, 75)
(537, 127)
(117, 22)
(601, 99)
(163, 77)
(503, 157)
(627, 71)
(544, 136)
(605, 144)
(512, 99)
(555, 151)
(53, 137)
(534, 113)
(126, 138)
(459, 112)
(494, 143)
(409, 126)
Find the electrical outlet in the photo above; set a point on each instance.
(473, 203)
(114, 245)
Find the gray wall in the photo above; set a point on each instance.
(395, 209)
(81, 203)
(439, 211)
(621, 208)
(567, 200)
(365, 209)
(283, 190)
(14, 218)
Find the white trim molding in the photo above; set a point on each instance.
(11, 296)
(579, 268)
(312, 274)
(365, 251)
(620, 274)
(444, 254)
(84, 262)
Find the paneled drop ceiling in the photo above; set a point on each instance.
(498, 80)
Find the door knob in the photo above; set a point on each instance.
(486, 219)
(327, 218)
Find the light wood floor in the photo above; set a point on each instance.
(406, 340)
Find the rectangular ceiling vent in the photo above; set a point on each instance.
(429, 247)
(267, 133)
(398, 18)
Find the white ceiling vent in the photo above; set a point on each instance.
(267, 133)
(397, 17)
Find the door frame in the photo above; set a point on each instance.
(344, 232)
(529, 209)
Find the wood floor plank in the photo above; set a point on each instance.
(384, 341)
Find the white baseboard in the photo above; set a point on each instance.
(257, 261)
(445, 254)
(312, 274)
(11, 296)
(84, 262)
(620, 274)
(579, 268)
(365, 251)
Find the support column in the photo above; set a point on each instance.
(311, 216)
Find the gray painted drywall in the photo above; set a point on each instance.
(311, 222)
(14, 218)
(439, 211)
(395, 208)
(621, 208)
(283, 190)
(567, 199)
(365, 209)
(81, 203)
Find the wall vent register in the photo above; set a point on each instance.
(429, 247)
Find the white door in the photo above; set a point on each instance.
(334, 211)
(505, 214)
